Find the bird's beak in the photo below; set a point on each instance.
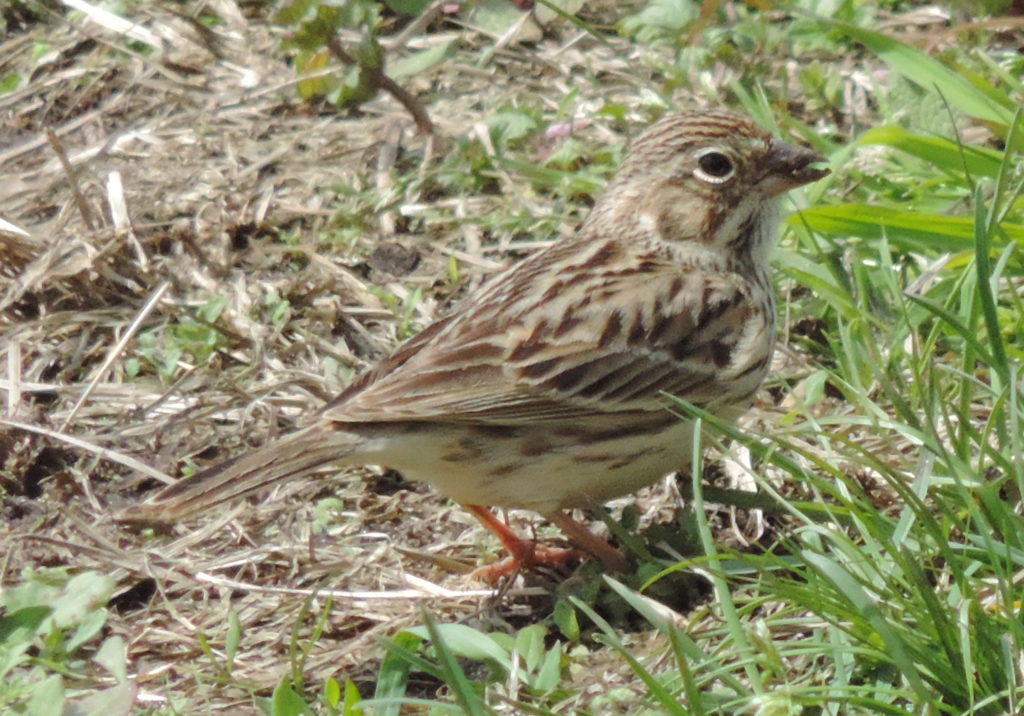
(786, 166)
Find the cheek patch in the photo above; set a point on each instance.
(677, 213)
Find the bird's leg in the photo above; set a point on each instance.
(610, 557)
(525, 553)
(522, 552)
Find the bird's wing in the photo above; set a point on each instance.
(561, 338)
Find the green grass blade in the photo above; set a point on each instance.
(938, 151)
(929, 73)
(896, 648)
(454, 676)
(908, 230)
(664, 697)
(684, 648)
(393, 674)
(725, 601)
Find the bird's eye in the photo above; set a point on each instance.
(714, 167)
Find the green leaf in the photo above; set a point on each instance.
(468, 643)
(529, 643)
(113, 656)
(89, 626)
(511, 125)
(211, 310)
(815, 275)
(662, 695)
(47, 697)
(930, 74)
(294, 12)
(369, 54)
(407, 7)
(332, 692)
(232, 638)
(116, 701)
(454, 676)
(421, 61)
(909, 230)
(285, 702)
(84, 592)
(571, 182)
(394, 673)
(659, 19)
(495, 17)
(26, 620)
(131, 367)
(308, 63)
(847, 584)
(550, 671)
(352, 698)
(565, 619)
(9, 82)
(942, 153)
(984, 287)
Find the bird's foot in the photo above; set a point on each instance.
(524, 553)
(534, 556)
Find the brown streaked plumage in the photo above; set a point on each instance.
(546, 388)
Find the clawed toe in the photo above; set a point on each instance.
(536, 556)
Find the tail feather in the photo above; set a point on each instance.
(291, 456)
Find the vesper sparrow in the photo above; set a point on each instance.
(546, 389)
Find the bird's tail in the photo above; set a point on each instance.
(291, 456)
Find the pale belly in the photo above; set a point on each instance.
(534, 467)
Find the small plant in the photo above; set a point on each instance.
(316, 25)
(50, 626)
(525, 667)
(194, 338)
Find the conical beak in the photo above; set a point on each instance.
(786, 166)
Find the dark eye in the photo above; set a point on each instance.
(714, 167)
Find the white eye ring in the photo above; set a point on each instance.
(714, 166)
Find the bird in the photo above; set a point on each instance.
(548, 388)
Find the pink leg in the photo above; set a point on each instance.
(524, 553)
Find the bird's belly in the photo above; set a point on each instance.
(540, 468)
